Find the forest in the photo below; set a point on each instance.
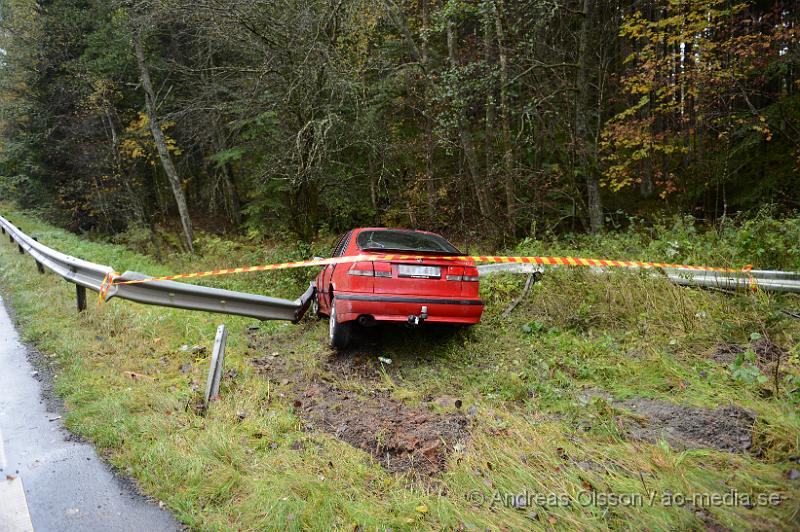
(490, 119)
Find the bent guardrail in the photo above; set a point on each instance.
(85, 274)
(204, 298)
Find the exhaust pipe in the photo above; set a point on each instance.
(366, 320)
(418, 319)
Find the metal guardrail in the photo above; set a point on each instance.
(81, 272)
(768, 280)
(86, 274)
(509, 267)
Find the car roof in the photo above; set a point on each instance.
(360, 229)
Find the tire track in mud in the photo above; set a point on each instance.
(402, 438)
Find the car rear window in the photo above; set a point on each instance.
(390, 239)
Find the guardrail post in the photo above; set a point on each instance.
(21, 251)
(80, 292)
(215, 370)
(38, 264)
(10, 238)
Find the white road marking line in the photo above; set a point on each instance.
(14, 516)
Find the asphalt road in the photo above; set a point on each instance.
(49, 480)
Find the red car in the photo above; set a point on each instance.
(382, 290)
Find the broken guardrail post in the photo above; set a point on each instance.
(215, 370)
(80, 293)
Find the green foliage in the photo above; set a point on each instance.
(763, 241)
(230, 155)
(450, 115)
(770, 240)
(744, 369)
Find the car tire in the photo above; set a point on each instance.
(339, 333)
(315, 311)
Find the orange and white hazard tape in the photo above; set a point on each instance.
(548, 261)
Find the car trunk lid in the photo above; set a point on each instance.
(429, 277)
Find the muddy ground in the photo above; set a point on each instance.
(728, 428)
(402, 438)
(768, 353)
(418, 439)
(399, 437)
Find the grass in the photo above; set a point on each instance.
(251, 464)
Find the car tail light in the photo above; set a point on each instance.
(361, 268)
(455, 273)
(471, 274)
(383, 269)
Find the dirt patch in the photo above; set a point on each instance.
(726, 353)
(768, 353)
(727, 429)
(399, 437)
(356, 365)
(403, 439)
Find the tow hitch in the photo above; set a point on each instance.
(415, 320)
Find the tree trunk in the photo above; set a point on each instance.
(161, 144)
(230, 196)
(583, 138)
(471, 159)
(647, 185)
(373, 181)
(430, 186)
(489, 126)
(505, 120)
(138, 208)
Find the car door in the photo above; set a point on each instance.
(327, 273)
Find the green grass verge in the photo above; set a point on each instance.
(126, 384)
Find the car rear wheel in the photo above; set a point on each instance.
(315, 305)
(339, 333)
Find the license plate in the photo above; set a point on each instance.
(419, 272)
